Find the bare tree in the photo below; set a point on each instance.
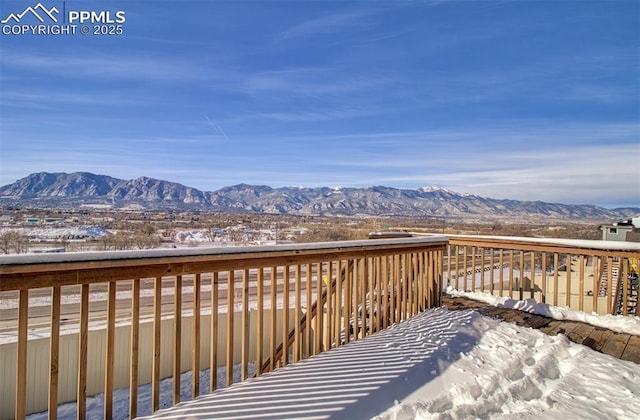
(13, 242)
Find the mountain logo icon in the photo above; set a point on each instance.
(38, 11)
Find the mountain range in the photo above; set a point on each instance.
(81, 189)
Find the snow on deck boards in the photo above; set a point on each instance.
(441, 363)
(358, 380)
(619, 345)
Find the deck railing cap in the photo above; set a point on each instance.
(573, 243)
(24, 259)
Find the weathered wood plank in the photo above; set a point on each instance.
(580, 333)
(551, 326)
(615, 345)
(597, 338)
(537, 322)
(632, 351)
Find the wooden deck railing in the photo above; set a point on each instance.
(590, 276)
(327, 294)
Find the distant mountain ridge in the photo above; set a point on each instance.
(82, 188)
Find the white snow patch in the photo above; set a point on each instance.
(623, 324)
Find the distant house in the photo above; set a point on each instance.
(618, 230)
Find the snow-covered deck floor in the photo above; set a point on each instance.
(439, 364)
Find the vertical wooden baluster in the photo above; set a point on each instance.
(399, 290)
(348, 281)
(157, 327)
(329, 327)
(393, 282)
(385, 290)
(511, 274)
(610, 305)
(501, 272)
(424, 281)
(427, 280)
(177, 339)
(378, 279)
(230, 318)
(358, 322)
(82, 352)
(353, 302)
(195, 352)
(474, 267)
(285, 315)
(597, 278)
(135, 348)
(21, 373)
(402, 276)
(430, 280)
(317, 348)
(370, 285)
(568, 283)
(522, 276)
(437, 277)
(433, 279)
(273, 324)
(491, 271)
(54, 352)
(533, 274)
(307, 331)
(423, 265)
(481, 251)
(456, 257)
(556, 262)
(581, 283)
(110, 351)
(260, 321)
(624, 262)
(414, 282)
(297, 349)
(339, 309)
(450, 260)
(543, 263)
(213, 357)
(244, 372)
(417, 281)
(392, 290)
(363, 296)
(406, 276)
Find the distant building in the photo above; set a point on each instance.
(618, 230)
(48, 250)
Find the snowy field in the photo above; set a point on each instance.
(438, 365)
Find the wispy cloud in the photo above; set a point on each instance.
(105, 66)
(44, 100)
(314, 81)
(330, 23)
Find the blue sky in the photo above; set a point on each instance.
(529, 100)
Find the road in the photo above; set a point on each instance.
(40, 301)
